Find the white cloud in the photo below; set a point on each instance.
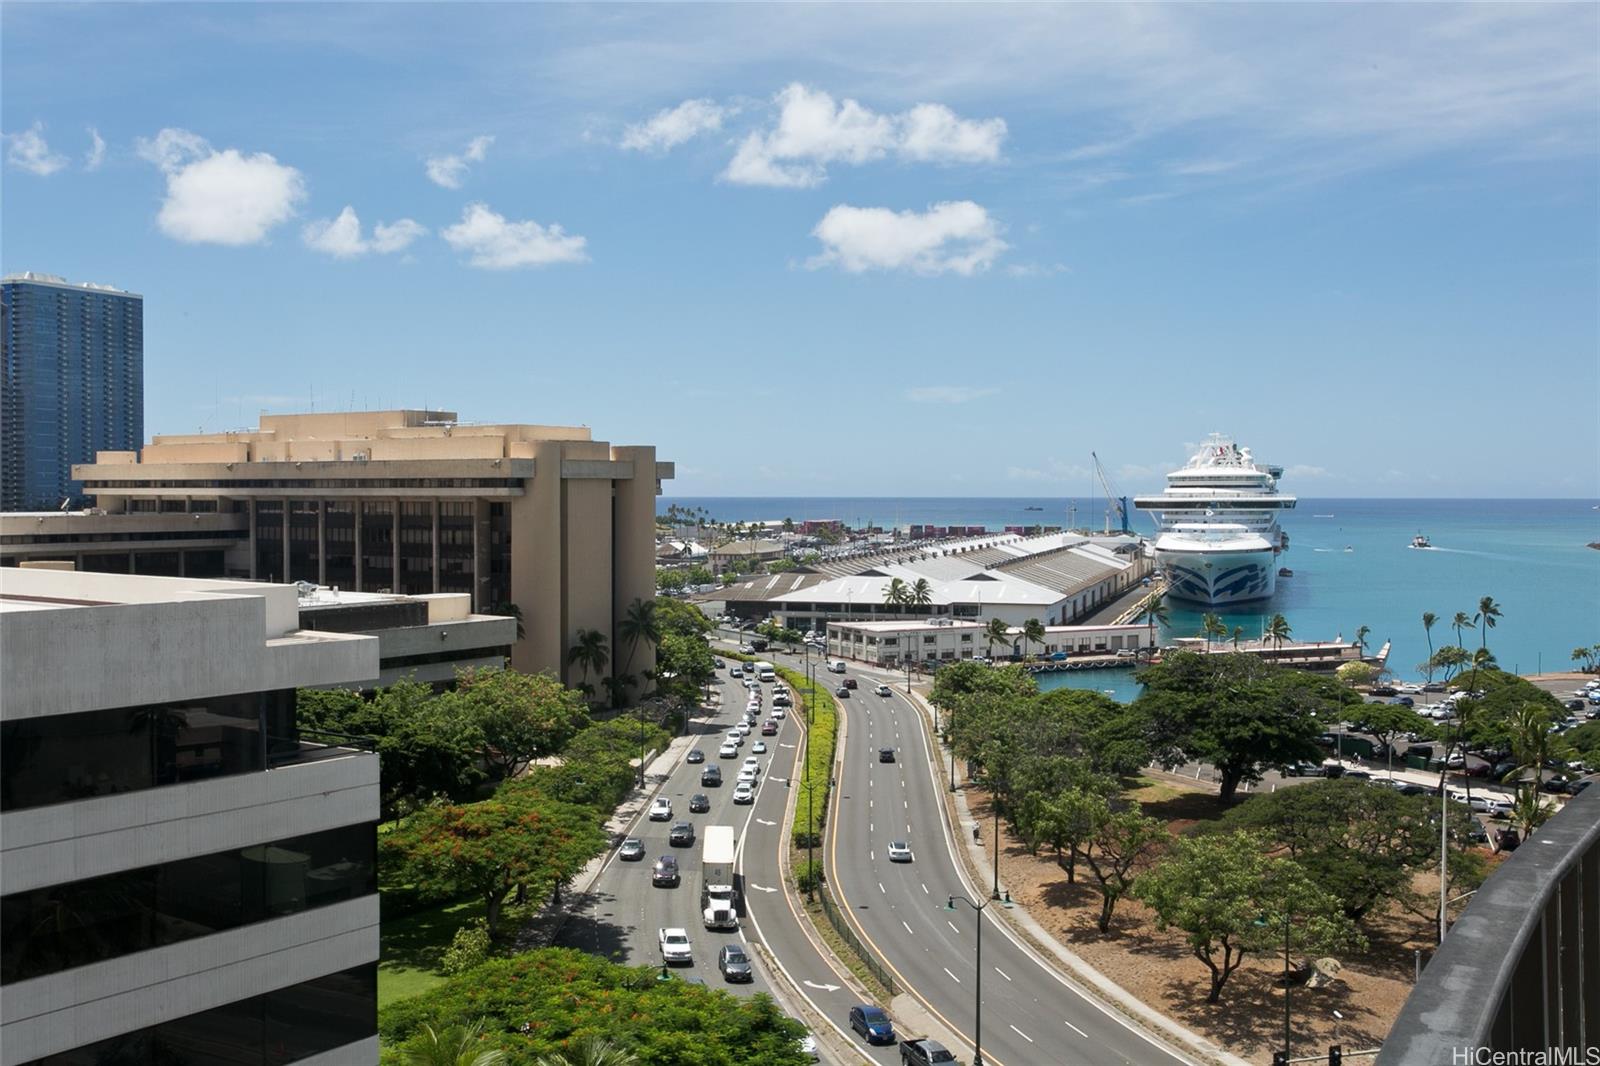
(947, 393)
(673, 126)
(813, 131)
(1201, 167)
(449, 170)
(341, 237)
(97, 150)
(954, 237)
(1302, 470)
(494, 243)
(1036, 270)
(223, 197)
(29, 151)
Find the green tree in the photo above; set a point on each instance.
(683, 667)
(1238, 632)
(521, 717)
(1356, 674)
(997, 632)
(1210, 625)
(1488, 614)
(1461, 621)
(1229, 897)
(639, 624)
(455, 1046)
(507, 609)
(1069, 822)
(894, 593)
(788, 525)
(920, 593)
(1387, 721)
(782, 566)
(488, 849)
(1361, 637)
(1237, 713)
(676, 616)
(1585, 656)
(590, 651)
(591, 1051)
(1155, 613)
(1278, 629)
(670, 580)
(1032, 632)
(1450, 659)
(1121, 843)
(1428, 620)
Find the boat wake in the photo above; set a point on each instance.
(1322, 516)
(1322, 549)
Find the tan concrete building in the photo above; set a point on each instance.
(414, 502)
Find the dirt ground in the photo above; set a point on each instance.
(1159, 968)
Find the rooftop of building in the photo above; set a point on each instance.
(905, 624)
(34, 277)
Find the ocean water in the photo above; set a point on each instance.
(1352, 564)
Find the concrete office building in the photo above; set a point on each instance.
(946, 640)
(412, 502)
(183, 878)
(71, 383)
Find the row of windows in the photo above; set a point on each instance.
(315, 483)
(66, 757)
(282, 1026)
(63, 926)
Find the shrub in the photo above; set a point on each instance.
(808, 876)
(468, 948)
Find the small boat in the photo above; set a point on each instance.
(1349, 548)
(1033, 508)
(1284, 571)
(1421, 541)
(1322, 516)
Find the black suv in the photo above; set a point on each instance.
(711, 776)
(666, 871)
(886, 755)
(699, 803)
(681, 835)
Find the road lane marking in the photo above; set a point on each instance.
(1075, 1029)
(1020, 1033)
(924, 889)
(881, 888)
(908, 928)
(763, 821)
(952, 925)
(953, 977)
(824, 988)
(1007, 976)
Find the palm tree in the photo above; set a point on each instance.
(996, 630)
(1278, 629)
(1032, 632)
(1361, 637)
(1238, 631)
(894, 594)
(455, 1046)
(1209, 625)
(1155, 611)
(1488, 611)
(920, 593)
(589, 651)
(1461, 621)
(1428, 618)
(591, 1051)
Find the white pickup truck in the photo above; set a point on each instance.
(675, 946)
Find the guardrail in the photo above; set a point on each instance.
(1520, 970)
(864, 953)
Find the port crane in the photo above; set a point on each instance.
(1113, 501)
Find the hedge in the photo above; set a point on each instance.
(817, 770)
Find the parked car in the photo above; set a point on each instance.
(632, 850)
(734, 964)
(1507, 839)
(872, 1023)
(661, 809)
(681, 835)
(699, 803)
(665, 872)
(1303, 769)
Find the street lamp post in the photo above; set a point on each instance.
(994, 801)
(977, 1029)
(641, 745)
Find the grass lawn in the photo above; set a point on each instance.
(413, 947)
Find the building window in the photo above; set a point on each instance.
(966, 638)
(65, 757)
(63, 926)
(285, 1025)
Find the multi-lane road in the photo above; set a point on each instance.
(1030, 1014)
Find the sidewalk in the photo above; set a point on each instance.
(1036, 937)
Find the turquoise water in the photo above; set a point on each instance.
(1530, 555)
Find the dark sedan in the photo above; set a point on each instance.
(695, 755)
(734, 964)
(666, 871)
(699, 803)
(681, 835)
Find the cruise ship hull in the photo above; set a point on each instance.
(1217, 578)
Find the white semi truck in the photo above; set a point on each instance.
(719, 900)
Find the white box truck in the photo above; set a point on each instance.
(764, 671)
(719, 900)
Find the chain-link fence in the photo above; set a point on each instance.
(865, 954)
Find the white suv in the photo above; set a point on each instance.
(675, 945)
(661, 809)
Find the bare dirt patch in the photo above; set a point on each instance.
(1158, 968)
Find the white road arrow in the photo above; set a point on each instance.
(785, 745)
(825, 988)
(763, 821)
(761, 888)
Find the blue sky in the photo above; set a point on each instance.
(817, 250)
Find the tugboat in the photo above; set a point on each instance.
(1421, 541)
(1284, 571)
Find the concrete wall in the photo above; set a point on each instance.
(536, 563)
(633, 553)
(586, 562)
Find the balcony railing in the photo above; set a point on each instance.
(1520, 971)
(314, 745)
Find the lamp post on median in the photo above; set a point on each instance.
(977, 1029)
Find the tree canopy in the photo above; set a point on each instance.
(1236, 712)
(522, 717)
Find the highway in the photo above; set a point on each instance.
(1031, 1014)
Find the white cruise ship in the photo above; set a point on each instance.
(1218, 538)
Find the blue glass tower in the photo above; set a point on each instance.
(73, 384)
